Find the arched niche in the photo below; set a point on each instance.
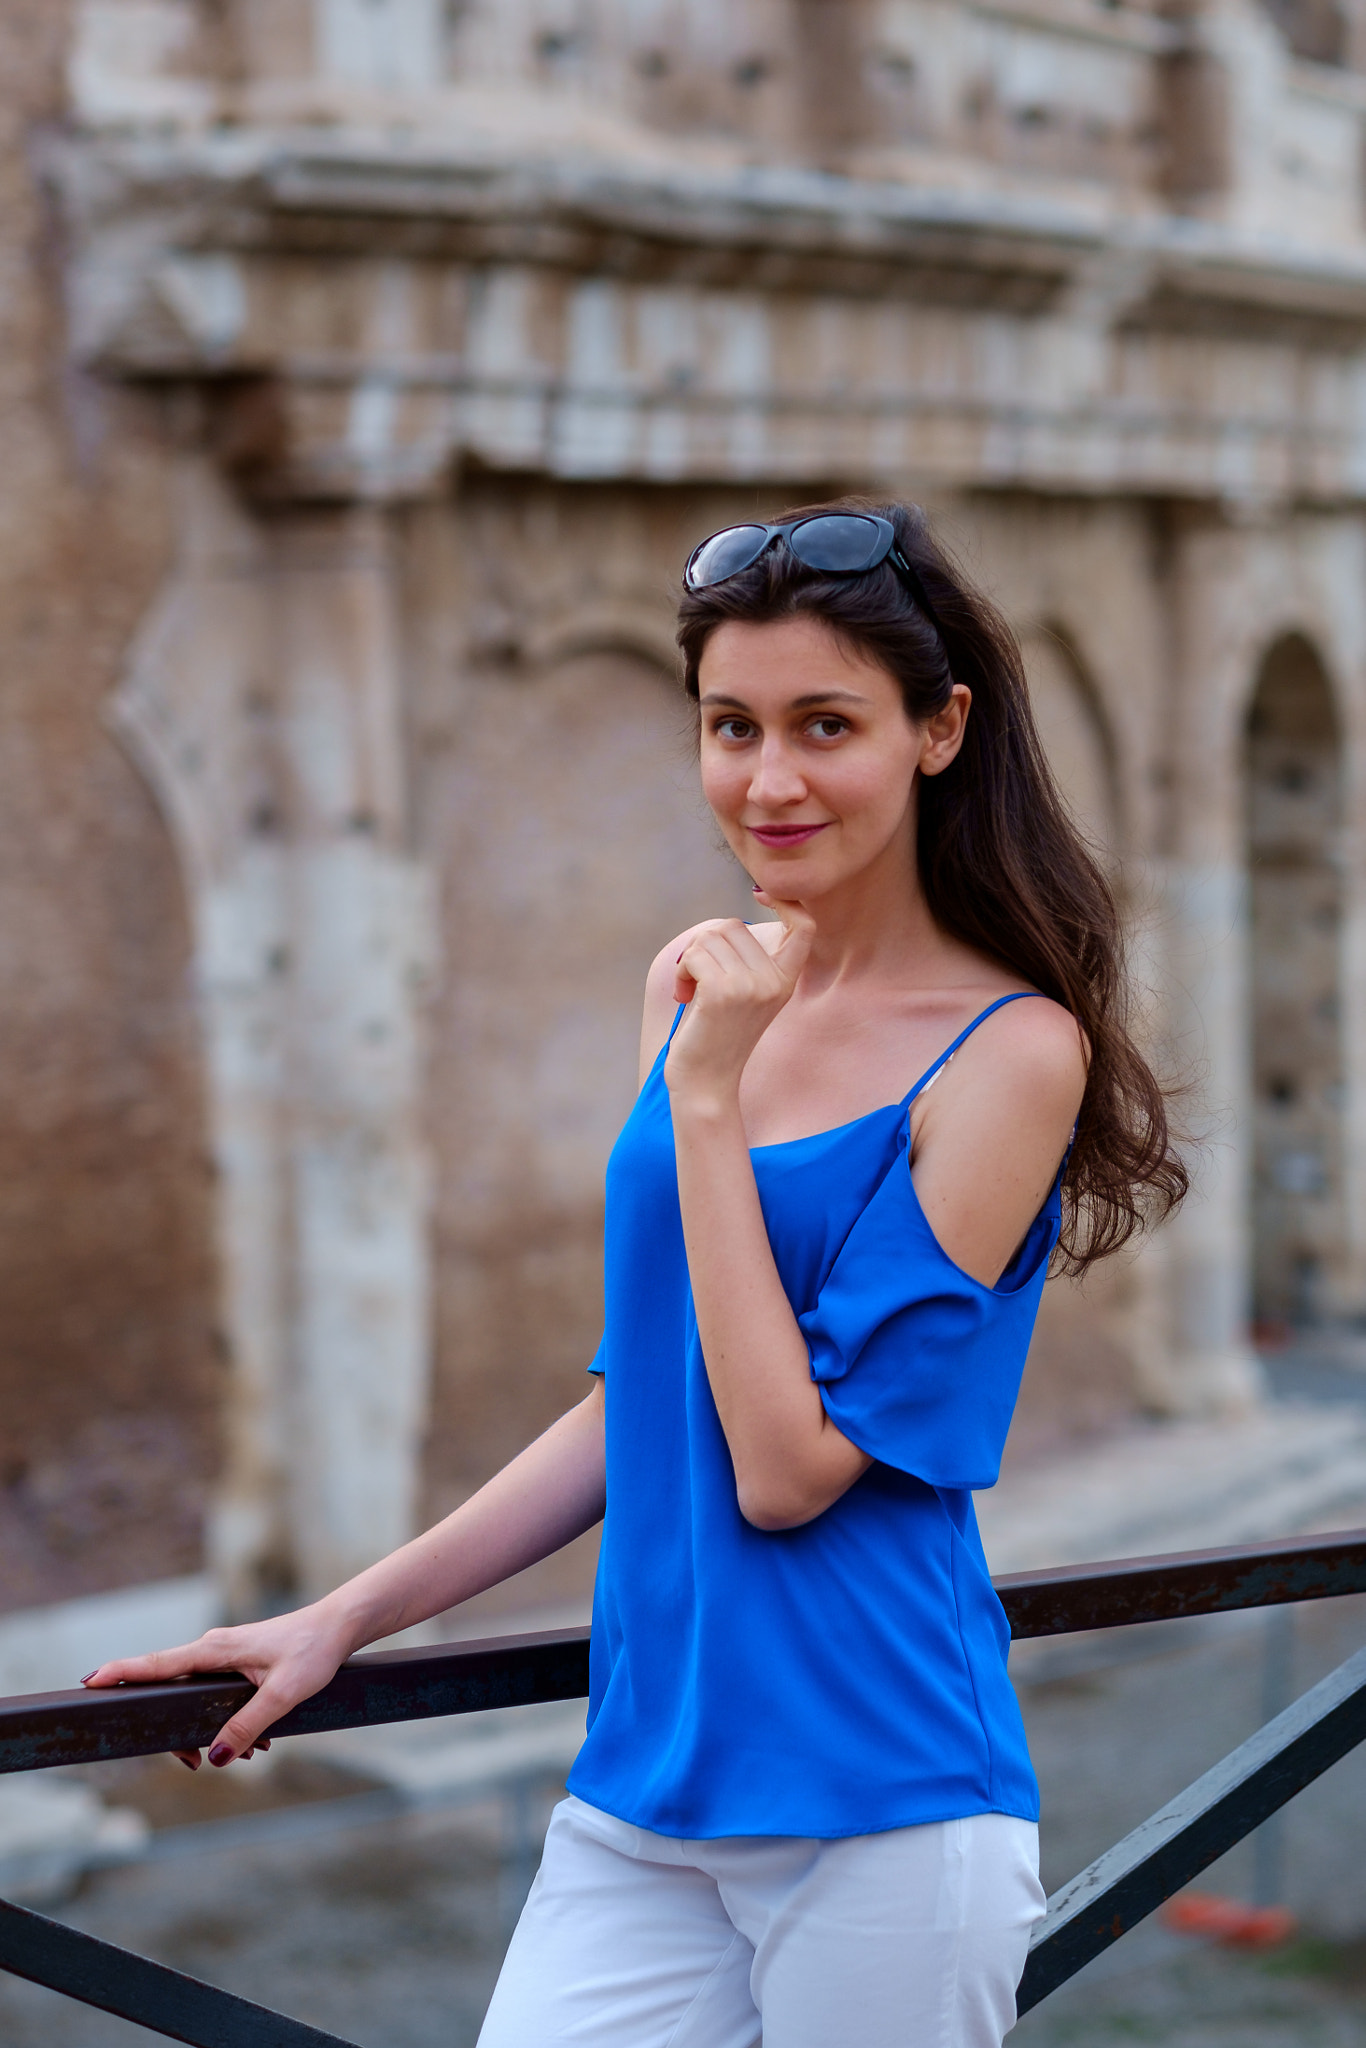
(1075, 736)
(1318, 30)
(1086, 1358)
(1293, 789)
(110, 1378)
(571, 842)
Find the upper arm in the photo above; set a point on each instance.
(659, 1007)
(993, 1130)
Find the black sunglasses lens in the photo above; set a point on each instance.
(844, 542)
(725, 554)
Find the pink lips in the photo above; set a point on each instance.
(785, 835)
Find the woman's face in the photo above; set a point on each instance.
(808, 758)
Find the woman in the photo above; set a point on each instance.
(804, 1806)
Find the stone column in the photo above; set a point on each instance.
(263, 699)
(360, 923)
(1353, 858)
(1204, 913)
(1341, 569)
(1206, 1255)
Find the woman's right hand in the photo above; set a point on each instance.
(287, 1659)
(734, 979)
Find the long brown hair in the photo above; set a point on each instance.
(1002, 865)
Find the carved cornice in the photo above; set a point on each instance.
(353, 195)
(368, 310)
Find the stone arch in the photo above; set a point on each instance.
(1293, 798)
(570, 842)
(1087, 1358)
(604, 629)
(110, 1379)
(260, 700)
(1076, 734)
(1317, 30)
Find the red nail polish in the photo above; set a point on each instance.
(679, 956)
(219, 1755)
(186, 1761)
(89, 1675)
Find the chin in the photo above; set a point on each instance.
(798, 883)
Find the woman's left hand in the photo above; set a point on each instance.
(734, 981)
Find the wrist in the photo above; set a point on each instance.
(701, 1105)
(349, 1620)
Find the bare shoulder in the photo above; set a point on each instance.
(659, 994)
(1021, 1074)
(991, 1133)
(1034, 1048)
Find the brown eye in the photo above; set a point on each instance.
(829, 728)
(733, 729)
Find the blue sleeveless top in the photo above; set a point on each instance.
(849, 1675)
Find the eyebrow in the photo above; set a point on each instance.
(797, 704)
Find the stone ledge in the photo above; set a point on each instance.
(1284, 1469)
(47, 1649)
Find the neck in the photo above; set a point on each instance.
(877, 926)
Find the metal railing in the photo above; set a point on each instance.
(41, 1730)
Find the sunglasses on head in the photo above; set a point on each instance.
(833, 543)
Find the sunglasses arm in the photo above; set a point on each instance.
(915, 586)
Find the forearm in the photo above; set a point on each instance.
(549, 1494)
(790, 1461)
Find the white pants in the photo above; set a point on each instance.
(911, 1939)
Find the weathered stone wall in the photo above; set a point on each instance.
(557, 802)
(371, 366)
(558, 805)
(109, 1379)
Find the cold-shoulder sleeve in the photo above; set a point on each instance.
(918, 1363)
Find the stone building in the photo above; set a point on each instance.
(369, 368)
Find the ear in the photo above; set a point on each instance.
(942, 735)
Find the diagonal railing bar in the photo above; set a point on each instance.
(168, 2002)
(1127, 1590)
(41, 1730)
(1175, 1844)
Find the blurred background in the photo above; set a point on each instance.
(369, 368)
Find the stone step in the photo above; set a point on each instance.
(1183, 1485)
(52, 1830)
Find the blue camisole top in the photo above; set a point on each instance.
(846, 1676)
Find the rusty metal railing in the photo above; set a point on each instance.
(41, 1730)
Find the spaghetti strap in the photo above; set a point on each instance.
(936, 1067)
(678, 1019)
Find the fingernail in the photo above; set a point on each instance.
(188, 1765)
(89, 1675)
(755, 889)
(219, 1755)
(679, 956)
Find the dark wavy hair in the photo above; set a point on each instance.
(1002, 865)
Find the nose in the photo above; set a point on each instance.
(777, 777)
